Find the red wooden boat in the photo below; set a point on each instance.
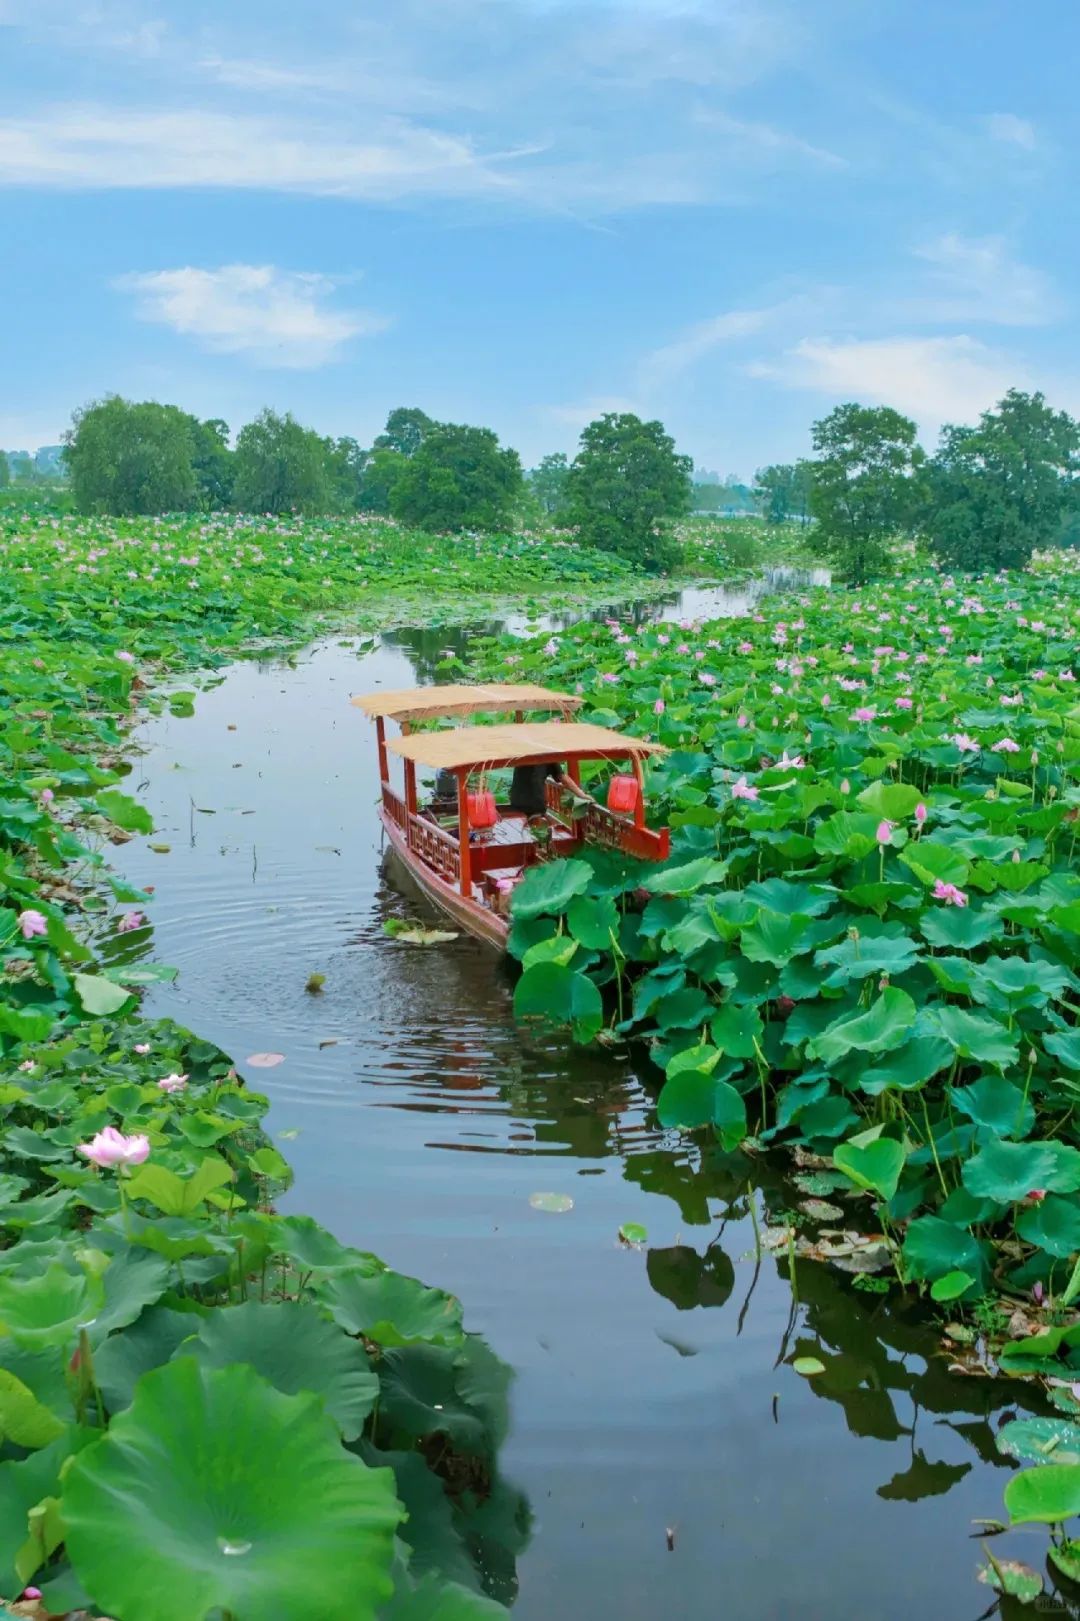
(466, 853)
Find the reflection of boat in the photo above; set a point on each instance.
(466, 852)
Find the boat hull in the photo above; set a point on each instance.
(479, 921)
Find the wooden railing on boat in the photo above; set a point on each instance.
(395, 807)
(596, 825)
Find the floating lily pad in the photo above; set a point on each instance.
(556, 1203)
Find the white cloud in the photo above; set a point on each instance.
(273, 317)
(975, 279)
(672, 359)
(1013, 130)
(934, 380)
(579, 414)
(78, 147)
(766, 145)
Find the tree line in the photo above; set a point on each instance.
(988, 497)
(129, 458)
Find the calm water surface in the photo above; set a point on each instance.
(419, 1120)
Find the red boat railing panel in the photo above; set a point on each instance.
(394, 806)
(596, 825)
(435, 847)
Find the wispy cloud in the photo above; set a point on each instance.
(668, 362)
(977, 279)
(270, 316)
(1013, 130)
(81, 147)
(934, 380)
(767, 145)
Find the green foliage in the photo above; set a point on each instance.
(5, 471)
(281, 466)
(867, 491)
(129, 458)
(406, 429)
(783, 491)
(457, 478)
(1000, 490)
(626, 483)
(381, 472)
(548, 483)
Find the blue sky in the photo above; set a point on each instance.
(731, 214)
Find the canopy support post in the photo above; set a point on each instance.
(380, 733)
(639, 808)
(465, 853)
(410, 787)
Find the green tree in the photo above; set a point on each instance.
(548, 483)
(5, 470)
(782, 491)
(381, 472)
(626, 483)
(129, 458)
(868, 487)
(212, 461)
(282, 466)
(459, 478)
(406, 429)
(999, 490)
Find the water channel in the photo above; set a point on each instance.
(671, 1466)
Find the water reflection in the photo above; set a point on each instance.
(654, 1387)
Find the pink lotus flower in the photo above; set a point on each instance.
(1036, 1196)
(47, 796)
(706, 679)
(1005, 745)
(864, 713)
(129, 921)
(32, 923)
(126, 658)
(884, 832)
(172, 1083)
(845, 786)
(921, 813)
(825, 700)
(949, 894)
(658, 707)
(792, 762)
(111, 1148)
(904, 703)
(966, 744)
(743, 720)
(142, 1047)
(746, 647)
(742, 790)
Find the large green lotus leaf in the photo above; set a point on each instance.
(1040, 1440)
(48, 1310)
(560, 948)
(23, 1419)
(885, 949)
(775, 938)
(98, 996)
(728, 1115)
(930, 861)
(593, 920)
(996, 1105)
(213, 1490)
(120, 1363)
(686, 1099)
(1053, 1224)
(1038, 1353)
(1064, 1044)
(24, 1484)
(1046, 1495)
(875, 1165)
(294, 1347)
(430, 1535)
(1009, 983)
(960, 928)
(847, 834)
(977, 1035)
(124, 811)
(737, 1029)
(1064, 1174)
(933, 1247)
(132, 1280)
(781, 895)
(1006, 1172)
(391, 1309)
(895, 801)
(909, 1066)
(550, 887)
(313, 1249)
(683, 1009)
(884, 1026)
(687, 879)
(559, 994)
(420, 1395)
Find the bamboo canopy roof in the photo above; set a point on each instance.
(429, 703)
(512, 745)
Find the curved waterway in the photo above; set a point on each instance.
(673, 1465)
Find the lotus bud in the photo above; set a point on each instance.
(1016, 856)
(845, 786)
(1034, 756)
(920, 813)
(884, 832)
(853, 934)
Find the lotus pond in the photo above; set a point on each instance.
(175, 1320)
